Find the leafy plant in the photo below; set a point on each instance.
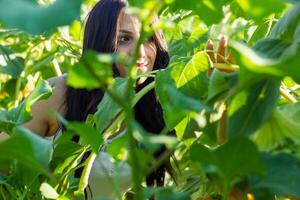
(255, 106)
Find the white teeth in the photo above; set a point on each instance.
(143, 62)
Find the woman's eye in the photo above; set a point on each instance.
(123, 39)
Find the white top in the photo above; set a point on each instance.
(108, 178)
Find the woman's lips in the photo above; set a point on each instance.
(142, 65)
(142, 68)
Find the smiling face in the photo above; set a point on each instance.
(127, 37)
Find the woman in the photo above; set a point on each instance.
(110, 29)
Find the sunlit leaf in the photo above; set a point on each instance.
(88, 134)
(21, 114)
(238, 149)
(38, 18)
(282, 176)
(180, 88)
(108, 109)
(251, 107)
(92, 71)
(14, 67)
(283, 123)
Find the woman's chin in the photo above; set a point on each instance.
(141, 80)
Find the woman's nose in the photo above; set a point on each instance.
(142, 52)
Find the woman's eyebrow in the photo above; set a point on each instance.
(125, 31)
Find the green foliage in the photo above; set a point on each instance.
(282, 177)
(38, 18)
(180, 88)
(87, 133)
(256, 107)
(21, 114)
(34, 151)
(108, 109)
(250, 108)
(219, 160)
(92, 71)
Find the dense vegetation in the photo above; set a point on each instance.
(238, 133)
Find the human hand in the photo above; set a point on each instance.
(220, 60)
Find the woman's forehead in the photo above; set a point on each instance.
(129, 22)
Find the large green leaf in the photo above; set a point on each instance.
(261, 60)
(41, 147)
(210, 11)
(186, 38)
(21, 114)
(220, 83)
(282, 124)
(286, 27)
(37, 19)
(92, 71)
(180, 88)
(251, 107)
(88, 134)
(282, 177)
(14, 67)
(238, 157)
(190, 76)
(108, 109)
(258, 10)
(66, 154)
(25, 149)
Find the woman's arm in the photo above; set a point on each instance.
(3, 136)
(43, 123)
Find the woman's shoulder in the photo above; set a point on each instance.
(43, 122)
(56, 102)
(59, 88)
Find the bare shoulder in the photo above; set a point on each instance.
(58, 94)
(43, 123)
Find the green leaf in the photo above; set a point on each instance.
(20, 147)
(220, 83)
(5, 50)
(38, 18)
(66, 154)
(186, 38)
(283, 123)
(258, 10)
(286, 27)
(42, 147)
(210, 11)
(40, 63)
(14, 68)
(282, 177)
(117, 146)
(261, 60)
(251, 107)
(179, 88)
(108, 109)
(190, 77)
(186, 128)
(21, 114)
(168, 193)
(92, 71)
(271, 48)
(88, 134)
(236, 158)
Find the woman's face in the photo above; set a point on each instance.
(127, 36)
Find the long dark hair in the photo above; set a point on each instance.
(100, 36)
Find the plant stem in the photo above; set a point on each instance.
(222, 129)
(287, 96)
(86, 173)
